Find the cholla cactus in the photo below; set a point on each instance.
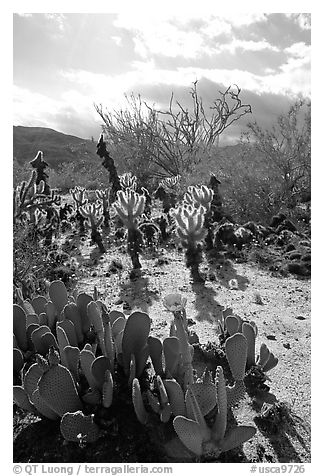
(29, 199)
(103, 197)
(128, 180)
(203, 196)
(170, 183)
(190, 229)
(93, 213)
(129, 206)
(197, 196)
(79, 196)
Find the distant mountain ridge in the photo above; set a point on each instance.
(59, 148)
(56, 146)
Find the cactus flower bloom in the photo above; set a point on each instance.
(174, 302)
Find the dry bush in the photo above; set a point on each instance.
(154, 143)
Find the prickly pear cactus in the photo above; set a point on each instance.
(75, 426)
(57, 387)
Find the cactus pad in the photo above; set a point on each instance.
(232, 325)
(155, 351)
(236, 436)
(189, 433)
(206, 398)
(135, 336)
(79, 427)
(140, 411)
(57, 388)
(20, 326)
(236, 353)
(58, 295)
(248, 331)
(175, 397)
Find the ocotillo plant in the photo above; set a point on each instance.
(92, 212)
(168, 198)
(103, 197)
(40, 165)
(190, 229)
(129, 206)
(167, 192)
(109, 164)
(216, 205)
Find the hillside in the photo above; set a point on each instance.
(57, 147)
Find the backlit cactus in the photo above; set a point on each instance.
(203, 196)
(170, 183)
(83, 352)
(202, 440)
(79, 196)
(30, 196)
(57, 387)
(129, 207)
(103, 197)
(236, 349)
(93, 213)
(190, 229)
(80, 428)
(128, 180)
(141, 413)
(176, 304)
(266, 360)
(197, 196)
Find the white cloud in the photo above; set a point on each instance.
(117, 40)
(169, 36)
(299, 50)
(244, 19)
(34, 109)
(293, 78)
(248, 46)
(24, 15)
(303, 19)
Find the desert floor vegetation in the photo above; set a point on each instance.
(162, 292)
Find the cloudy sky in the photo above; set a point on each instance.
(64, 63)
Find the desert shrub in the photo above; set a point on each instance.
(266, 172)
(28, 259)
(154, 143)
(249, 191)
(286, 150)
(81, 173)
(21, 172)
